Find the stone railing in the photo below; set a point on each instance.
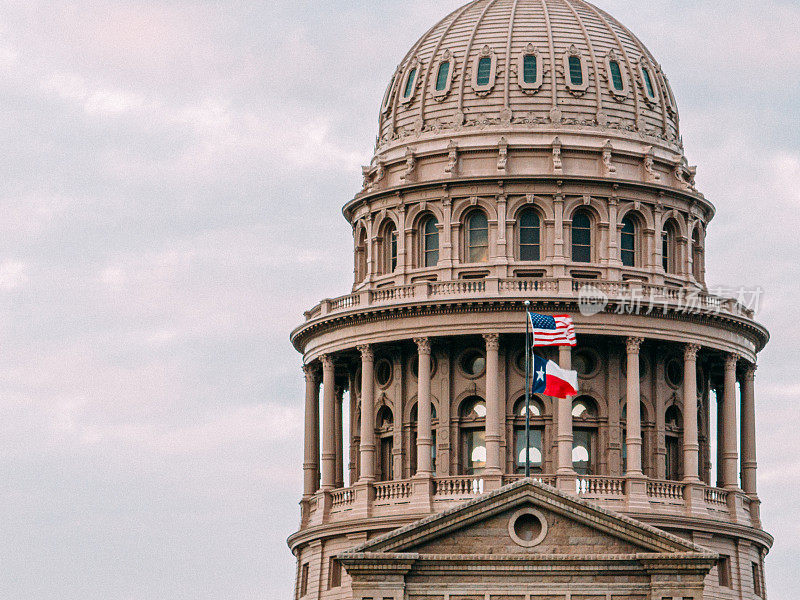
(642, 297)
(545, 479)
(600, 486)
(392, 490)
(668, 490)
(342, 497)
(454, 487)
(716, 496)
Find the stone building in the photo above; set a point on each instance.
(529, 150)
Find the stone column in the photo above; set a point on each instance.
(494, 410)
(328, 424)
(367, 449)
(633, 440)
(720, 390)
(424, 435)
(339, 436)
(311, 446)
(749, 431)
(730, 456)
(691, 444)
(565, 474)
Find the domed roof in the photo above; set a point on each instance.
(529, 65)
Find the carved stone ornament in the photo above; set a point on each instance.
(502, 159)
(411, 165)
(492, 341)
(367, 353)
(633, 344)
(558, 166)
(452, 159)
(423, 345)
(690, 351)
(608, 167)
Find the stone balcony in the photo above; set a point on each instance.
(420, 496)
(630, 294)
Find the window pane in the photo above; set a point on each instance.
(410, 83)
(393, 264)
(441, 78)
(648, 82)
(582, 451)
(484, 70)
(575, 70)
(431, 243)
(474, 450)
(529, 68)
(628, 243)
(581, 238)
(616, 76)
(478, 238)
(529, 236)
(535, 450)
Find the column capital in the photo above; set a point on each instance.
(750, 372)
(327, 361)
(311, 373)
(731, 360)
(367, 353)
(690, 351)
(492, 341)
(423, 345)
(633, 344)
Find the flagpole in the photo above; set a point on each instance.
(527, 390)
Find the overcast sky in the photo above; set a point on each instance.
(171, 179)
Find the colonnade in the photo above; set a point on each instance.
(324, 471)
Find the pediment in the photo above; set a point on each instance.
(529, 518)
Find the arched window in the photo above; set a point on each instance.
(384, 434)
(529, 235)
(413, 448)
(669, 247)
(389, 249)
(409, 89)
(477, 237)
(484, 71)
(616, 76)
(472, 427)
(673, 424)
(430, 242)
(529, 68)
(628, 242)
(442, 76)
(575, 70)
(584, 435)
(697, 256)
(581, 237)
(536, 435)
(648, 83)
(361, 256)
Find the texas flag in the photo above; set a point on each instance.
(551, 380)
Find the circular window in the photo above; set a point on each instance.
(527, 527)
(586, 363)
(383, 372)
(473, 363)
(415, 365)
(674, 371)
(519, 362)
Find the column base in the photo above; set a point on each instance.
(694, 498)
(492, 481)
(636, 499)
(322, 512)
(362, 502)
(566, 481)
(422, 492)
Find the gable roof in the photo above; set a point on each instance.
(527, 491)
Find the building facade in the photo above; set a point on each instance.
(529, 150)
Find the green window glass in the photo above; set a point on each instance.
(430, 242)
(616, 76)
(529, 68)
(473, 444)
(484, 70)
(410, 83)
(394, 251)
(477, 237)
(529, 235)
(534, 450)
(575, 70)
(648, 82)
(582, 442)
(628, 247)
(441, 77)
(581, 238)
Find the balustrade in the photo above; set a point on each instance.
(392, 490)
(600, 486)
(670, 490)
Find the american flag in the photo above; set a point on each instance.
(558, 330)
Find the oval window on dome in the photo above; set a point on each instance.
(443, 76)
(484, 71)
(410, 81)
(575, 70)
(616, 76)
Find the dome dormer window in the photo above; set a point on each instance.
(649, 88)
(529, 71)
(618, 83)
(616, 76)
(444, 76)
(485, 71)
(411, 79)
(387, 97)
(576, 75)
